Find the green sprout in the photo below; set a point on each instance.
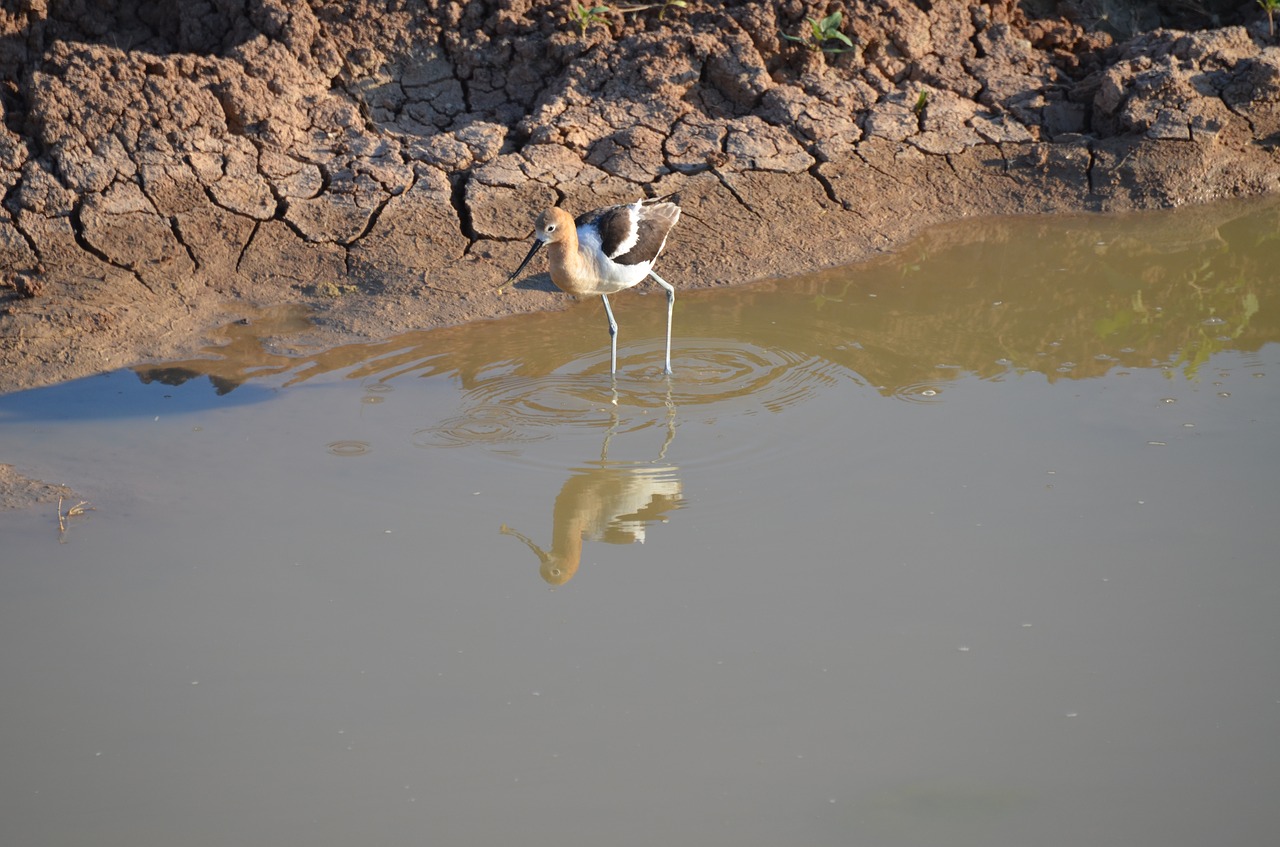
(1270, 7)
(825, 34)
(923, 100)
(588, 16)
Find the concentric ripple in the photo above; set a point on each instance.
(511, 408)
(714, 379)
(744, 378)
(920, 392)
(348, 447)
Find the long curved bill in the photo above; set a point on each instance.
(532, 251)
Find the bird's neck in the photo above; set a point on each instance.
(568, 269)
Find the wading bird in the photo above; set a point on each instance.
(606, 251)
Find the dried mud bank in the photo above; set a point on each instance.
(163, 165)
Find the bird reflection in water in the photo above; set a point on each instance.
(606, 501)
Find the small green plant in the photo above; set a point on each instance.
(921, 102)
(824, 35)
(661, 7)
(1270, 7)
(588, 16)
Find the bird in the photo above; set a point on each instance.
(611, 502)
(608, 501)
(605, 251)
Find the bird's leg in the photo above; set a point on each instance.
(671, 302)
(613, 335)
(671, 424)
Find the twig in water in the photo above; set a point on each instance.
(78, 509)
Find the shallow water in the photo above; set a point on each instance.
(974, 545)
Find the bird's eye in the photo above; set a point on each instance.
(551, 227)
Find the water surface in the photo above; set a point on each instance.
(973, 545)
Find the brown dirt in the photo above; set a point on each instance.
(18, 491)
(165, 165)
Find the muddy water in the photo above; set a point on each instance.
(975, 545)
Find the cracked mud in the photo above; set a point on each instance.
(165, 165)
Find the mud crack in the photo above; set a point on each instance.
(458, 199)
(77, 233)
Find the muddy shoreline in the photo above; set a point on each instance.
(382, 162)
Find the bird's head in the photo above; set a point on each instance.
(555, 224)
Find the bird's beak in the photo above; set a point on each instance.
(532, 250)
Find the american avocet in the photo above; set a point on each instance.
(606, 251)
(613, 503)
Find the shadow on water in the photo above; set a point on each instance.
(172, 387)
(156, 391)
